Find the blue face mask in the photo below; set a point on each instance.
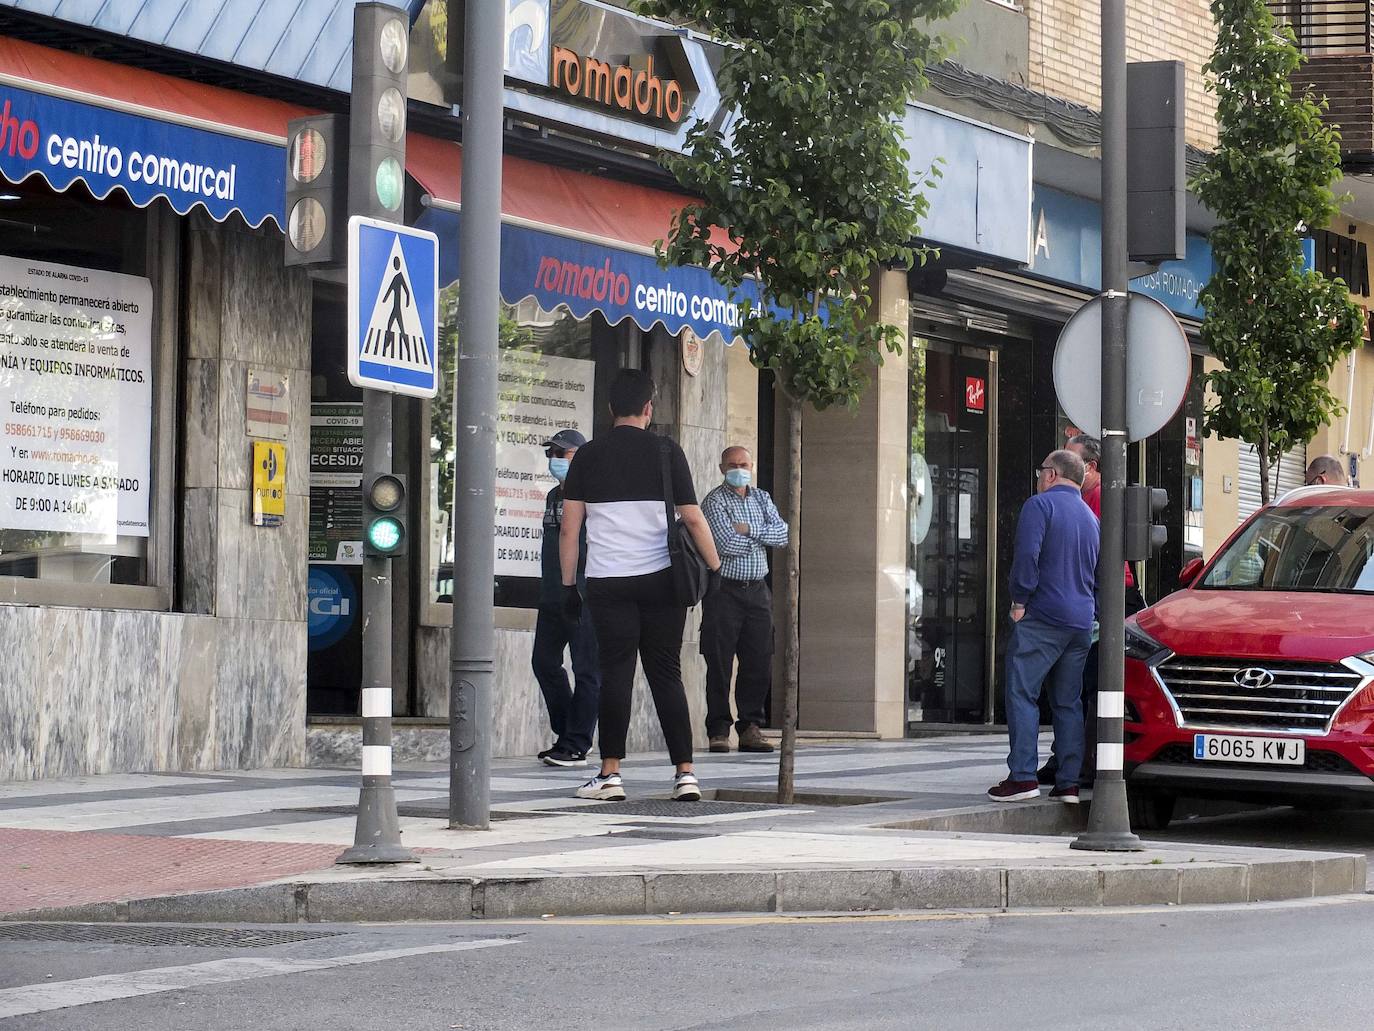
(558, 468)
(738, 477)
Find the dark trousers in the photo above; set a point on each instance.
(572, 710)
(737, 620)
(1135, 601)
(637, 616)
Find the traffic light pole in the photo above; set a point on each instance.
(473, 643)
(377, 837)
(1109, 826)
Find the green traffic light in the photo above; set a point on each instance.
(390, 182)
(385, 533)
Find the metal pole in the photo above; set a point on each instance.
(1109, 825)
(377, 837)
(473, 643)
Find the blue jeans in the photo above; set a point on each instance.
(1041, 654)
(572, 712)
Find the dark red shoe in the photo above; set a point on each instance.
(1014, 791)
(1068, 794)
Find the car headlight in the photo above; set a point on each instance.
(1140, 645)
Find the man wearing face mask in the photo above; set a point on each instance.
(737, 620)
(572, 710)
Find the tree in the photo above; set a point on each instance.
(812, 194)
(1278, 329)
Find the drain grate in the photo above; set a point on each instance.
(667, 807)
(157, 935)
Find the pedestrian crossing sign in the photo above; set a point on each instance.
(393, 307)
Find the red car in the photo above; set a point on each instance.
(1256, 681)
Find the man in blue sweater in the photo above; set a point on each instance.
(1053, 595)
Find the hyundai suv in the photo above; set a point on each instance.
(1256, 681)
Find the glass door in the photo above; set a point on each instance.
(951, 495)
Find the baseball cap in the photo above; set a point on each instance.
(566, 439)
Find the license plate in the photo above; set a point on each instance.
(1278, 751)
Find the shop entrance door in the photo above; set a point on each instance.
(953, 419)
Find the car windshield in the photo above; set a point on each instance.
(1318, 548)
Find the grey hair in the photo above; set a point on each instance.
(734, 447)
(1092, 448)
(1326, 465)
(1068, 465)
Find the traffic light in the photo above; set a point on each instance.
(384, 516)
(377, 112)
(1144, 537)
(316, 217)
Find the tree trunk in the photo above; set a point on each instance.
(1262, 450)
(791, 647)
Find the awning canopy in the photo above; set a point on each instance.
(570, 239)
(577, 241)
(146, 134)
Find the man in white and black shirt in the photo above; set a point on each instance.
(615, 485)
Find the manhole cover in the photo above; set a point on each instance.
(667, 807)
(128, 934)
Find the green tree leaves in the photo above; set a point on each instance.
(809, 184)
(1277, 328)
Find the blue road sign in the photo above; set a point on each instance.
(393, 307)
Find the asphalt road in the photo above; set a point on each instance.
(1280, 965)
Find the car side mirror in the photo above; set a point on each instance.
(1189, 572)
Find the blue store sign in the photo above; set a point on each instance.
(333, 606)
(66, 140)
(1066, 245)
(585, 277)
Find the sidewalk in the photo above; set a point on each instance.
(259, 846)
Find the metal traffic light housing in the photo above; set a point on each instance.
(1145, 537)
(377, 112)
(385, 531)
(316, 190)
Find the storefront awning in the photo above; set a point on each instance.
(577, 241)
(146, 134)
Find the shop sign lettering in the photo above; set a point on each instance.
(631, 90)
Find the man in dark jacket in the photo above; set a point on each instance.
(572, 710)
(1053, 589)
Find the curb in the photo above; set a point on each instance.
(988, 887)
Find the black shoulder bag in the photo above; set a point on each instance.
(690, 575)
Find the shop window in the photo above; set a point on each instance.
(553, 369)
(79, 378)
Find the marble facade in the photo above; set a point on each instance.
(219, 684)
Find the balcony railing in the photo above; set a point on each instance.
(1326, 28)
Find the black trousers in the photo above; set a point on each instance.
(572, 712)
(737, 620)
(637, 616)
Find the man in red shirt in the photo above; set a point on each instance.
(1090, 450)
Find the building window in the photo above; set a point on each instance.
(553, 368)
(80, 375)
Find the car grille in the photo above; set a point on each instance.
(1316, 760)
(1302, 697)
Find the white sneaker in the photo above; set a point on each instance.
(686, 788)
(609, 788)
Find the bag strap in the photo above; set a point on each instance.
(664, 454)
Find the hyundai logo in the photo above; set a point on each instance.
(1254, 678)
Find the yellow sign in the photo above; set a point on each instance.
(269, 483)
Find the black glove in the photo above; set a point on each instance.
(572, 604)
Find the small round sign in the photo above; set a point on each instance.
(692, 352)
(1158, 367)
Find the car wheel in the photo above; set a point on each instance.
(1150, 810)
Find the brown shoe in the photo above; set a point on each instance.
(751, 739)
(720, 744)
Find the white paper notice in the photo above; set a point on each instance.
(539, 395)
(76, 386)
(966, 517)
